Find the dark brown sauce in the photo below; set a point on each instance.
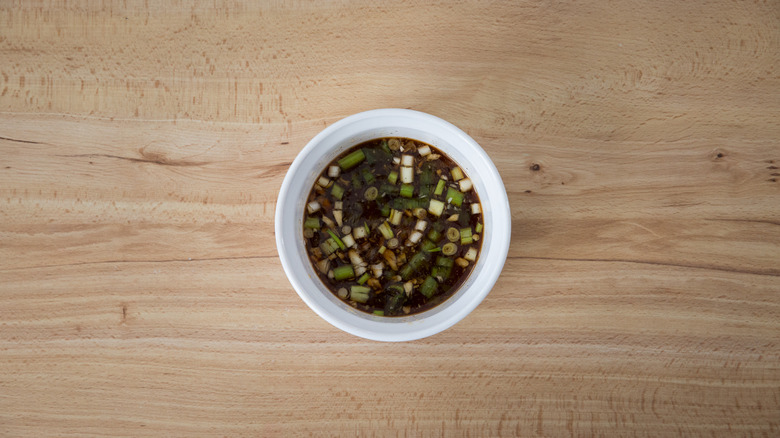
(370, 200)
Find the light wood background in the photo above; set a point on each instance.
(142, 147)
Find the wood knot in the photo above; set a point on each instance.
(535, 167)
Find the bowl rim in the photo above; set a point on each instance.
(417, 325)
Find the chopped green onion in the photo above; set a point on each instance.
(386, 231)
(426, 177)
(356, 181)
(379, 312)
(428, 246)
(407, 190)
(434, 235)
(453, 234)
(368, 177)
(370, 155)
(439, 188)
(387, 189)
(368, 230)
(328, 247)
(465, 236)
(441, 271)
(337, 240)
(385, 148)
(449, 249)
(444, 261)
(426, 180)
(337, 191)
(385, 210)
(464, 219)
(429, 287)
(395, 287)
(397, 299)
(434, 250)
(393, 177)
(352, 160)
(312, 222)
(371, 193)
(359, 293)
(344, 272)
(413, 265)
(363, 278)
(478, 228)
(454, 197)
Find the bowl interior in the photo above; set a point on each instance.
(391, 123)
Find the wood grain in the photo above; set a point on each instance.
(142, 147)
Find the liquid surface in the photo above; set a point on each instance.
(393, 227)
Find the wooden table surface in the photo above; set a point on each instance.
(142, 148)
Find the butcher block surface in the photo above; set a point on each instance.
(143, 145)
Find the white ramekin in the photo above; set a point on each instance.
(368, 125)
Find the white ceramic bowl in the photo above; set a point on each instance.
(323, 148)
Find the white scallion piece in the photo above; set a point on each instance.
(471, 254)
(329, 222)
(323, 182)
(392, 243)
(436, 207)
(338, 205)
(462, 262)
(343, 293)
(465, 185)
(330, 274)
(355, 258)
(359, 232)
(475, 208)
(377, 269)
(395, 217)
(457, 174)
(407, 175)
(425, 150)
(420, 225)
(339, 216)
(360, 270)
(313, 207)
(414, 238)
(407, 160)
(397, 160)
(348, 241)
(453, 218)
(334, 171)
(408, 288)
(323, 265)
